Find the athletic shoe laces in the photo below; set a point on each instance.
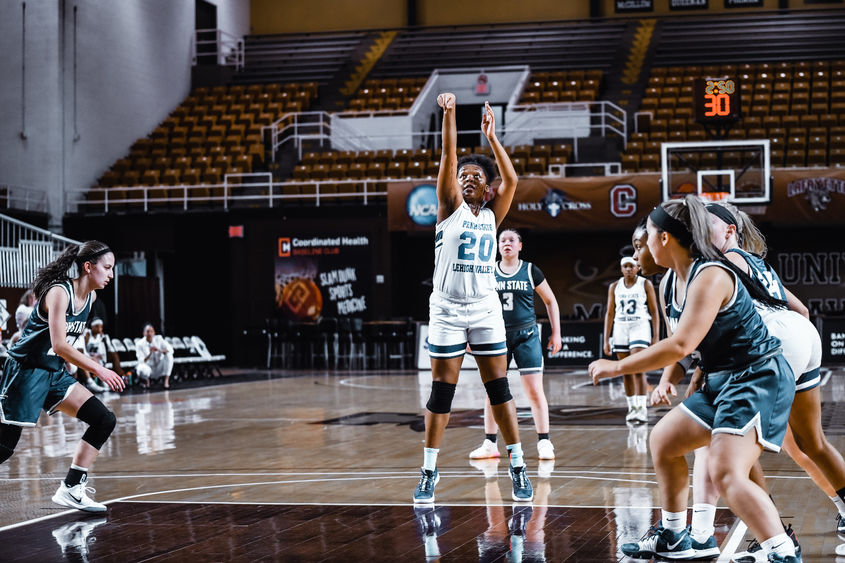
(427, 481)
(519, 478)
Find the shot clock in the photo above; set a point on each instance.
(717, 101)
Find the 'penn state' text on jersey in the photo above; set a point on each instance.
(464, 254)
(631, 303)
(516, 292)
(760, 269)
(35, 348)
(737, 338)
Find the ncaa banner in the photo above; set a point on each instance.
(568, 204)
(323, 275)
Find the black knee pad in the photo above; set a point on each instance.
(440, 400)
(9, 436)
(101, 421)
(498, 390)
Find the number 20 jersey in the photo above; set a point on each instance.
(465, 255)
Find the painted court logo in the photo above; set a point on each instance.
(421, 205)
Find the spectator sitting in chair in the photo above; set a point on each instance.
(155, 357)
(98, 347)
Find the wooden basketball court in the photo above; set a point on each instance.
(320, 466)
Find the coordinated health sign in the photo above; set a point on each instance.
(323, 276)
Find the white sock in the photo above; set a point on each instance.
(840, 506)
(631, 401)
(675, 521)
(430, 458)
(703, 517)
(515, 453)
(642, 401)
(780, 544)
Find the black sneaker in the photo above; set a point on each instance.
(775, 558)
(522, 490)
(424, 492)
(755, 553)
(840, 526)
(661, 542)
(705, 549)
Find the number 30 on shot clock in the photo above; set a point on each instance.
(717, 100)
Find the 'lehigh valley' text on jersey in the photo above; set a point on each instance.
(464, 254)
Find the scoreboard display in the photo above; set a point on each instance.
(717, 101)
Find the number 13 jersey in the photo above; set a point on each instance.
(464, 255)
(631, 302)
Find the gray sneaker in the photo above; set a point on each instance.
(522, 489)
(424, 493)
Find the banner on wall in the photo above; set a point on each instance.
(800, 197)
(580, 344)
(626, 6)
(323, 275)
(688, 4)
(570, 204)
(743, 3)
(833, 341)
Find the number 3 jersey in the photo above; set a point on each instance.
(631, 302)
(516, 291)
(464, 255)
(34, 349)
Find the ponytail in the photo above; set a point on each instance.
(58, 270)
(692, 213)
(749, 237)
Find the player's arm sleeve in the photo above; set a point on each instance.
(537, 275)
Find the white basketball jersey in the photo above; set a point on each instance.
(465, 255)
(631, 302)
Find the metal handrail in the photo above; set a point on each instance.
(228, 48)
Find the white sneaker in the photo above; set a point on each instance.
(485, 450)
(642, 414)
(545, 449)
(77, 497)
(73, 536)
(633, 413)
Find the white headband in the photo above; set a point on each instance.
(627, 260)
(96, 322)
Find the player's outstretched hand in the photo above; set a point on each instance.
(601, 369)
(660, 395)
(110, 378)
(446, 100)
(488, 121)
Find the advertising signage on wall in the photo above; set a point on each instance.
(625, 6)
(743, 3)
(323, 275)
(688, 4)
